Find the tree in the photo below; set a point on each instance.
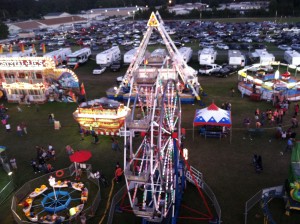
(3, 30)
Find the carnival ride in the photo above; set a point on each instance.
(269, 85)
(293, 183)
(155, 172)
(174, 67)
(103, 116)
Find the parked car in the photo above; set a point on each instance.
(222, 46)
(99, 71)
(225, 71)
(209, 69)
(116, 66)
(264, 68)
(295, 46)
(284, 47)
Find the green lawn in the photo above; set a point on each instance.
(226, 167)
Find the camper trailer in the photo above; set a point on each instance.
(157, 57)
(128, 56)
(207, 56)
(186, 53)
(235, 57)
(262, 56)
(26, 53)
(292, 57)
(107, 57)
(60, 55)
(79, 57)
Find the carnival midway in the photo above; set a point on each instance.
(145, 111)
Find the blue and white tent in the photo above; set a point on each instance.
(212, 115)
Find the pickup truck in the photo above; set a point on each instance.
(208, 69)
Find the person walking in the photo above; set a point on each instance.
(118, 173)
(19, 130)
(34, 166)
(13, 163)
(24, 128)
(289, 146)
(117, 147)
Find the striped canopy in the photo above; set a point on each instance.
(212, 115)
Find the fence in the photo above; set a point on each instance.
(116, 199)
(205, 188)
(266, 192)
(28, 187)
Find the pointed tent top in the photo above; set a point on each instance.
(153, 20)
(213, 107)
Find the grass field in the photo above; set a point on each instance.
(226, 167)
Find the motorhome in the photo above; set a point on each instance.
(207, 56)
(186, 53)
(128, 56)
(107, 57)
(26, 53)
(79, 57)
(157, 57)
(262, 56)
(292, 57)
(59, 56)
(235, 57)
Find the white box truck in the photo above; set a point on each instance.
(128, 56)
(235, 57)
(186, 53)
(79, 57)
(292, 57)
(207, 56)
(107, 57)
(60, 55)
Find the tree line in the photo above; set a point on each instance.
(35, 9)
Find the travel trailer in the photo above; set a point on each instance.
(157, 57)
(128, 56)
(186, 53)
(262, 56)
(79, 57)
(59, 56)
(107, 57)
(207, 56)
(292, 57)
(26, 53)
(235, 57)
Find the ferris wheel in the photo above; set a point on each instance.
(152, 173)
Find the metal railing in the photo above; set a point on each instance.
(206, 189)
(116, 199)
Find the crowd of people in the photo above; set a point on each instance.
(44, 157)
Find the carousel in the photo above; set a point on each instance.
(103, 116)
(281, 84)
(36, 80)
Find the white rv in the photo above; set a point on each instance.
(157, 57)
(235, 57)
(79, 57)
(207, 56)
(107, 57)
(292, 57)
(60, 55)
(186, 53)
(263, 56)
(27, 53)
(128, 56)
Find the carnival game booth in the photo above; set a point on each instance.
(270, 86)
(103, 116)
(36, 80)
(213, 122)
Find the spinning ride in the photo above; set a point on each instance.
(154, 171)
